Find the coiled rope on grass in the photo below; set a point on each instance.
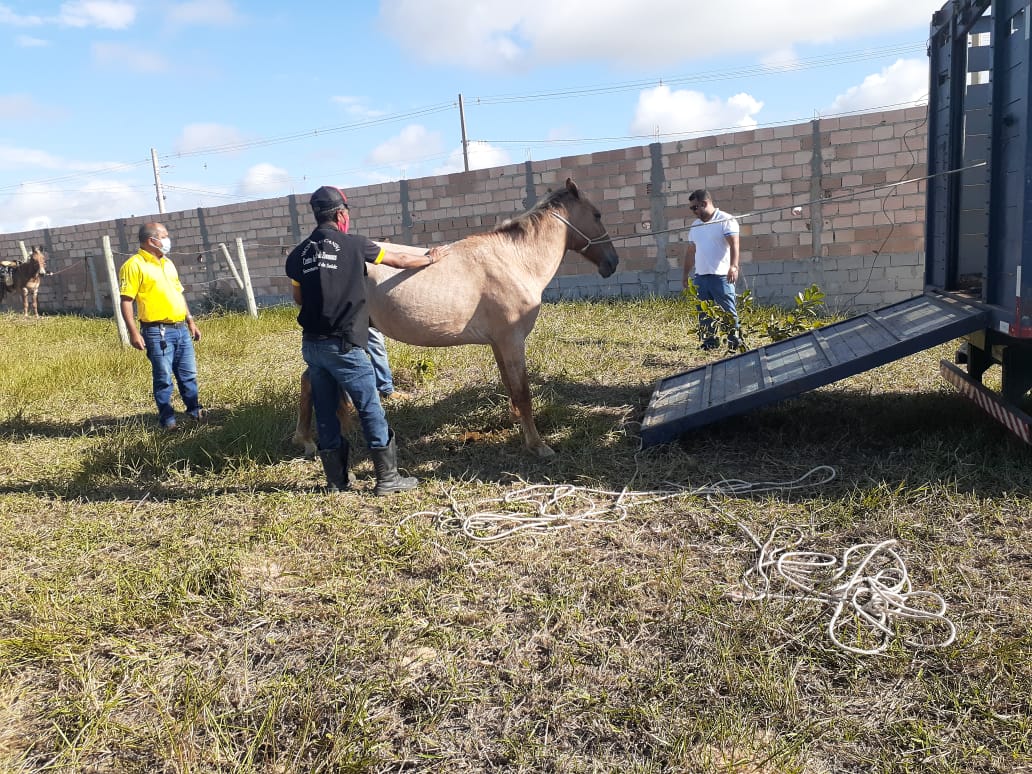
(542, 508)
(868, 588)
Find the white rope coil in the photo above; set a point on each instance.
(867, 587)
(542, 508)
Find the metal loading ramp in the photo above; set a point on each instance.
(768, 374)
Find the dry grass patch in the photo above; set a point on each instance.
(190, 603)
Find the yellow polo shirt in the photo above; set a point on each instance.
(154, 284)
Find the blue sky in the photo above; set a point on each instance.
(249, 100)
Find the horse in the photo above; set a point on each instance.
(487, 290)
(25, 276)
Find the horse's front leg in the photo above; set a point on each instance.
(511, 357)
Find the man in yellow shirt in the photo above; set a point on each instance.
(167, 329)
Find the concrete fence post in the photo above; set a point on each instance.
(109, 258)
(248, 290)
(98, 297)
(232, 266)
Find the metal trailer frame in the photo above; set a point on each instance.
(978, 238)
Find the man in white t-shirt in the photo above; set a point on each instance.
(712, 262)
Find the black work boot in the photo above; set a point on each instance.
(388, 479)
(335, 463)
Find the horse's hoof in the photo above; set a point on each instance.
(544, 451)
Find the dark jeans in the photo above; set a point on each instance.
(716, 288)
(331, 372)
(171, 354)
(377, 349)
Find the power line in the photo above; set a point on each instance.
(770, 69)
(706, 131)
(260, 143)
(713, 75)
(73, 175)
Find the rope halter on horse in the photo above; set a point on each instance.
(604, 237)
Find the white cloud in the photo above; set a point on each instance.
(481, 155)
(14, 19)
(26, 158)
(498, 34)
(203, 12)
(663, 111)
(356, 107)
(264, 179)
(16, 107)
(781, 59)
(196, 137)
(105, 14)
(27, 41)
(128, 57)
(67, 197)
(565, 132)
(905, 81)
(44, 205)
(481, 33)
(13, 157)
(413, 145)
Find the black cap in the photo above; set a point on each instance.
(328, 198)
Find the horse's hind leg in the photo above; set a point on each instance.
(303, 435)
(512, 363)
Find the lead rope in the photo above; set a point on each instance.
(543, 508)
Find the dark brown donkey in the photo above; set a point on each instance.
(24, 277)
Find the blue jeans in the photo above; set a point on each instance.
(171, 354)
(377, 349)
(331, 372)
(715, 288)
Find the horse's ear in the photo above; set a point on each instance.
(572, 187)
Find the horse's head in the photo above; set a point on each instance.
(40, 257)
(587, 235)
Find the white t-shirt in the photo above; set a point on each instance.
(712, 252)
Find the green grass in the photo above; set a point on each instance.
(191, 603)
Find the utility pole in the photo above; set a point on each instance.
(465, 144)
(157, 181)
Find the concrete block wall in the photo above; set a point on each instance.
(860, 235)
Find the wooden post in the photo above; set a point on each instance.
(98, 298)
(123, 332)
(232, 266)
(24, 251)
(248, 290)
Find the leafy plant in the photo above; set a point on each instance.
(726, 333)
(809, 306)
(755, 322)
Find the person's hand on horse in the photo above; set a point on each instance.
(437, 253)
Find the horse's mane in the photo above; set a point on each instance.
(523, 226)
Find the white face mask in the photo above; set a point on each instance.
(166, 245)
